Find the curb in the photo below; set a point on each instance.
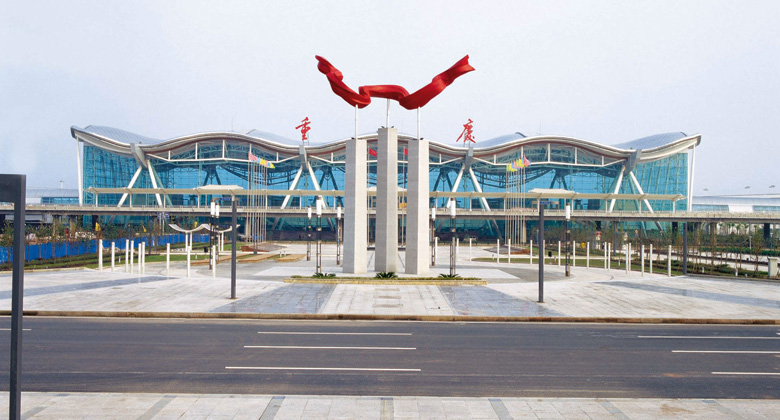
(394, 282)
(373, 317)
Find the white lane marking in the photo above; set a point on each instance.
(320, 368)
(747, 373)
(708, 337)
(330, 348)
(326, 333)
(8, 329)
(727, 351)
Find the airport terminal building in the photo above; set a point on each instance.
(113, 158)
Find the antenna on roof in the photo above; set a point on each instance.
(62, 183)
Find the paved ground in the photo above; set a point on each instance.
(511, 291)
(67, 406)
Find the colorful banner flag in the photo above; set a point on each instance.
(252, 158)
(372, 152)
(266, 163)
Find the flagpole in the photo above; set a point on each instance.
(418, 123)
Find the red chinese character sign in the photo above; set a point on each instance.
(415, 100)
(304, 127)
(468, 132)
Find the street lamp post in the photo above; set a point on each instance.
(452, 242)
(234, 246)
(433, 236)
(308, 234)
(319, 236)
(338, 235)
(568, 238)
(213, 232)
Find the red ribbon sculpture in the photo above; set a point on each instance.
(397, 93)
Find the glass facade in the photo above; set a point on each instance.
(223, 159)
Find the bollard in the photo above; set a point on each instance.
(559, 253)
(628, 258)
(140, 257)
(100, 255)
(509, 250)
(669, 261)
(573, 253)
(127, 250)
(498, 250)
(531, 252)
(113, 253)
(132, 258)
(642, 261)
(651, 259)
(167, 259)
(470, 238)
(587, 255)
(188, 260)
(608, 256)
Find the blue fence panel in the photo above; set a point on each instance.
(66, 249)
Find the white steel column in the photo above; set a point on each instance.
(130, 185)
(293, 186)
(386, 255)
(617, 187)
(478, 187)
(690, 178)
(355, 206)
(80, 173)
(154, 184)
(417, 249)
(641, 191)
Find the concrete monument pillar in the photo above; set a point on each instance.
(355, 207)
(386, 256)
(417, 247)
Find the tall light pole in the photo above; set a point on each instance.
(568, 239)
(452, 233)
(213, 233)
(433, 235)
(308, 234)
(338, 235)
(319, 236)
(234, 245)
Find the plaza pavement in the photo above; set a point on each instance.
(511, 292)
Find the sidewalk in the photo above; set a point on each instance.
(77, 406)
(511, 291)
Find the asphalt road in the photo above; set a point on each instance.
(397, 358)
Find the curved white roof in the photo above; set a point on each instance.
(120, 141)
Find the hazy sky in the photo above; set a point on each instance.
(605, 71)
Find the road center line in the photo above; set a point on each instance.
(320, 368)
(727, 351)
(747, 373)
(8, 329)
(708, 337)
(327, 333)
(330, 348)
